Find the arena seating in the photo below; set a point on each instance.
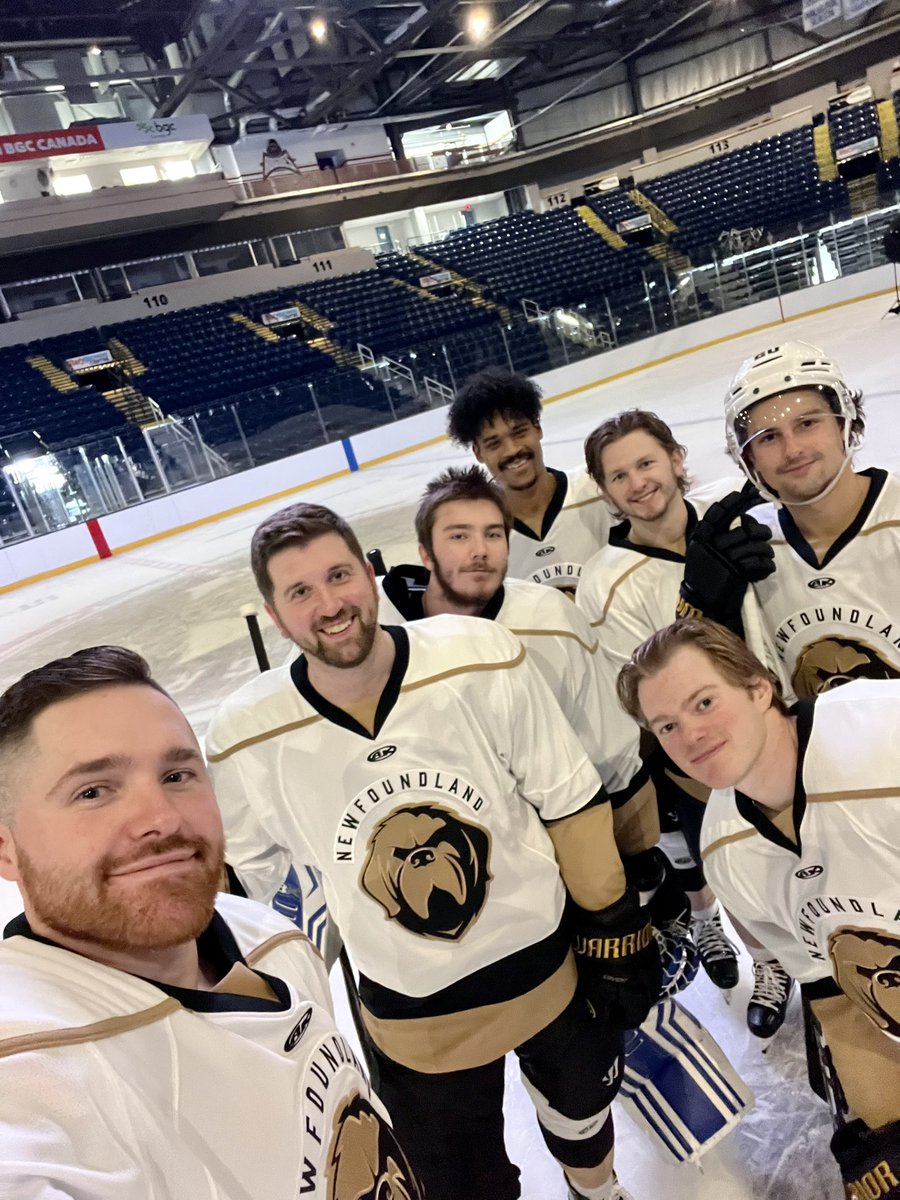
(615, 206)
(553, 258)
(853, 124)
(34, 413)
(771, 184)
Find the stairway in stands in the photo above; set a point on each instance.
(887, 121)
(661, 223)
(667, 256)
(55, 376)
(471, 286)
(598, 225)
(261, 331)
(824, 152)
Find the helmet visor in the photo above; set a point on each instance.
(796, 415)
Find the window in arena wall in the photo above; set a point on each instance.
(72, 185)
(145, 173)
(178, 168)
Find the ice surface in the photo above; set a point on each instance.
(178, 603)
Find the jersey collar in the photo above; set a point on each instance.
(389, 697)
(620, 535)
(798, 543)
(804, 711)
(554, 508)
(217, 947)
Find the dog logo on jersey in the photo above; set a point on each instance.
(821, 581)
(294, 1037)
(829, 662)
(381, 754)
(867, 969)
(428, 869)
(365, 1161)
(809, 872)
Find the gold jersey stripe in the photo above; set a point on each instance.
(263, 737)
(111, 1027)
(725, 841)
(567, 633)
(614, 589)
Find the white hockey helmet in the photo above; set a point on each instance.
(775, 372)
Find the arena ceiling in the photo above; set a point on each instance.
(403, 62)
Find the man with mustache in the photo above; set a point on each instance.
(427, 773)
(800, 841)
(156, 1038)
(558, 522)
(829, 607)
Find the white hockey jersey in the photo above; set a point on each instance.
(575, 525)
(429, 835)
(628, 592)
(116, 1088)
(829, 905)
(560, 643)
(839, 619)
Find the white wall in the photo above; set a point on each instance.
(25, 563)
(359, 140)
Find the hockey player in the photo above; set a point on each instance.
(792, 425)
(155, 1038)
(427, 773)
(463, 526)
(629, 589)
(558, 523)
(801, 841)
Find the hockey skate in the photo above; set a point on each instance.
(617, 1193)
(772, 988)
(717, 953)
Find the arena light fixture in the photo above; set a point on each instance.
(478, 23)
(95, 49)
(318, 29)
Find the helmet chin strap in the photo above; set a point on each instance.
(826, 491)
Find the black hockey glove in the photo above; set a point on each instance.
(617, 956)
(721, 561)
(656, 881)
(869, 1160)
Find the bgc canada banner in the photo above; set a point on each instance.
(95, 139)
(16, 147)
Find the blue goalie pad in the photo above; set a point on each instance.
(679, 1086)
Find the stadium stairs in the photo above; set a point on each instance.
(599, 226)
(471, 287)
(825, 161)
(887, 122)
(663, 224)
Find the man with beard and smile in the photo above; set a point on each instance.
(800, 840)
(557, 522)
(462, 524)
(154, 1036)
(829, 607)
(628, 590)
(426, 772)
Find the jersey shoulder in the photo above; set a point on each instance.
(853, 749)
(258, 709)
(530, 608)
(582, 491)
(703, 497)
(887, 506)
(451, 645)
(722, 823)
